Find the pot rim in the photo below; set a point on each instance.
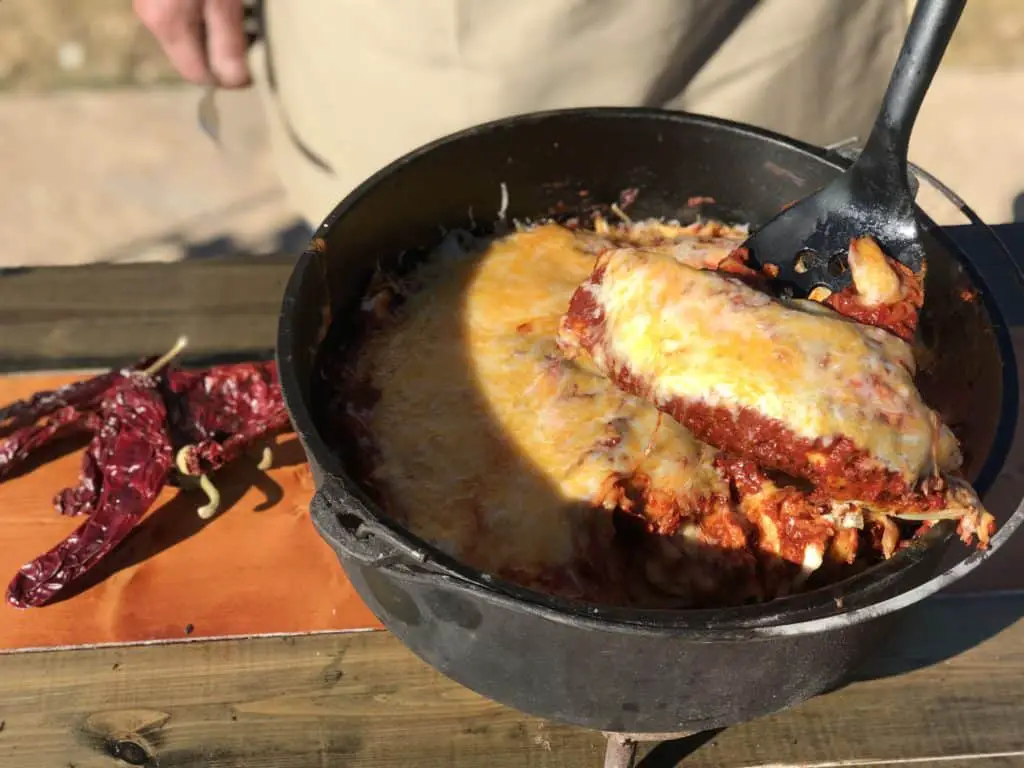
(844, 603)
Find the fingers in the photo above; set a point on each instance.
(178, 27)
(204, 39)
(226, 43)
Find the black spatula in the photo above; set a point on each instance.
(808, 241)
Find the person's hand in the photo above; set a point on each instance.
(204, 39)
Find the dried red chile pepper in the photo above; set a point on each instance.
(81, 500)
(145, 425)
(79, 395)
(85, 395)
(136, 455)
(221, 414)
(242, 400)
(72, 409)
(18, 447)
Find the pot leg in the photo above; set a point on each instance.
(621, 751)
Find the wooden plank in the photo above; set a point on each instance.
(175, 571)
(355, 700)
(951, 684)
(68, 317)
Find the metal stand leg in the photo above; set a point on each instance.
(621, 751)
(622, 747)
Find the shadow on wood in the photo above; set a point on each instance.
(177, 521)
(669, 754)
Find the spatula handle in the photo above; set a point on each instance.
(930, 30)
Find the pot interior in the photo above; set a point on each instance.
(562, 165)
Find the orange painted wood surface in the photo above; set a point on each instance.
(258, 567)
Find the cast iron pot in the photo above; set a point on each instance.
(614, 669)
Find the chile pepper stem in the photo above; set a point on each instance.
(614, 207)
(169, 355)
(181, 462)
(209, 509)
(266, 459)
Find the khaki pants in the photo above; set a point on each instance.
(357, 83)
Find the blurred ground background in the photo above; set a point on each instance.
(103, 161)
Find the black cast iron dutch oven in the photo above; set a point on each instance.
(616, 669)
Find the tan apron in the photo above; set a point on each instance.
(357, 83)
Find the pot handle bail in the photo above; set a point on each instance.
(354, 534)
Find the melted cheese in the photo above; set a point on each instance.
(704, 245)
(703, 337)
(875, 280)
(490, 443)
